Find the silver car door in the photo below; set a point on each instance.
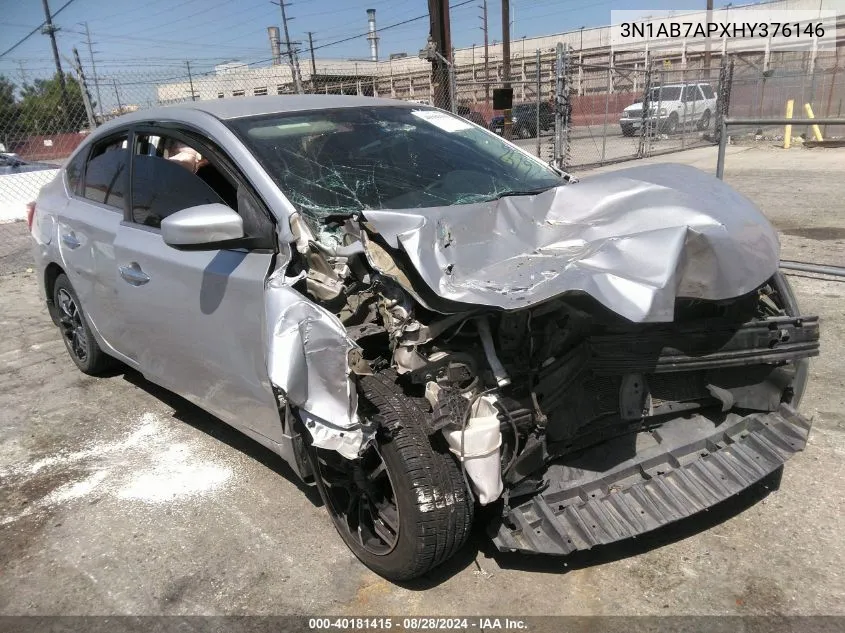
(194, 319)
(87, 227)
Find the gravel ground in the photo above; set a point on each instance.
(118, 497)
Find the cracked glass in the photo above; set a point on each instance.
(339, 161)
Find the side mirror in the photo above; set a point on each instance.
(203, 226)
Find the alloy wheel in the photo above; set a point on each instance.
(73, 329)
(361, 498)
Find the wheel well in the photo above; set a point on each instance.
(51, 273)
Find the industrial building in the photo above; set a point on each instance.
(409, 77)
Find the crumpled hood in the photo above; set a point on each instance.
(635, 240)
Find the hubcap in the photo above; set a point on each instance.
(361, 498)
(73, 330)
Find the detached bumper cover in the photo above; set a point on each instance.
(677, 470)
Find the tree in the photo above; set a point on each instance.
(45, 110)
(8, 111)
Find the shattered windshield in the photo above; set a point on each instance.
(344, 160)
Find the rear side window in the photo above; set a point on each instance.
(708, 92)
(73, 172)
(690, 93)
(105, 172)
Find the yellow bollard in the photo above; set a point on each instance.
(817, 133)
(787, 131)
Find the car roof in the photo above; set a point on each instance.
(237, 107)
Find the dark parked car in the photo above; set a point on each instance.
(12, 164)
(471, 115)
(524, 119)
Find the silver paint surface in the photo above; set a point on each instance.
(307, 358)
(202, 224)
(635, 240)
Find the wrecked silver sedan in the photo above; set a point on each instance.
(421, 318)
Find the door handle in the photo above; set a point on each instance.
(69, 240)
(133, 274)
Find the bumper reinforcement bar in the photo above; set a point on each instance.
(674, 471)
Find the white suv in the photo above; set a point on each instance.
(671, 107)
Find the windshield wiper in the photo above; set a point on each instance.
(528, 192)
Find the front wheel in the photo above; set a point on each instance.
(402, 506)
(704, 122)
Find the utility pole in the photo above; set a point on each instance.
(486, 55)
(191, 81)
(440, 40)
(94, 69)
(49, 29)
(294, 62)
(313, 61)
(506, 61)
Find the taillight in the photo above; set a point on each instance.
(30, 214)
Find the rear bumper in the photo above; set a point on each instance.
(650, 479)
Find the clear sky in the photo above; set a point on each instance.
(157, 36)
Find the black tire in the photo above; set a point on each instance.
(671, 124)
(523, 132)
(704, 121)
(76, 333)
(433, 512)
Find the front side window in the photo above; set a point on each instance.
(169, 175)
(387, 157)
(105, 173)
(691, 93)
(708, 92)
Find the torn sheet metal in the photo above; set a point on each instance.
(635, 240)
(307, 358)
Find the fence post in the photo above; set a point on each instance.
(723, 96)
(453, 95)
(606, 109)
(539, 100)
(723, 143)
(646, 122)
(559, 105)
(83, 87)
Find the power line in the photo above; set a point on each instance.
(35, 30)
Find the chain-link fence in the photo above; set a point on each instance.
(762, 85)
(531, 77)
(577, 108)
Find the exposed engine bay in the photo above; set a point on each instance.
(516, 391)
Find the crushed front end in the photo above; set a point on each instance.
(608, 428)
(597, 368)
